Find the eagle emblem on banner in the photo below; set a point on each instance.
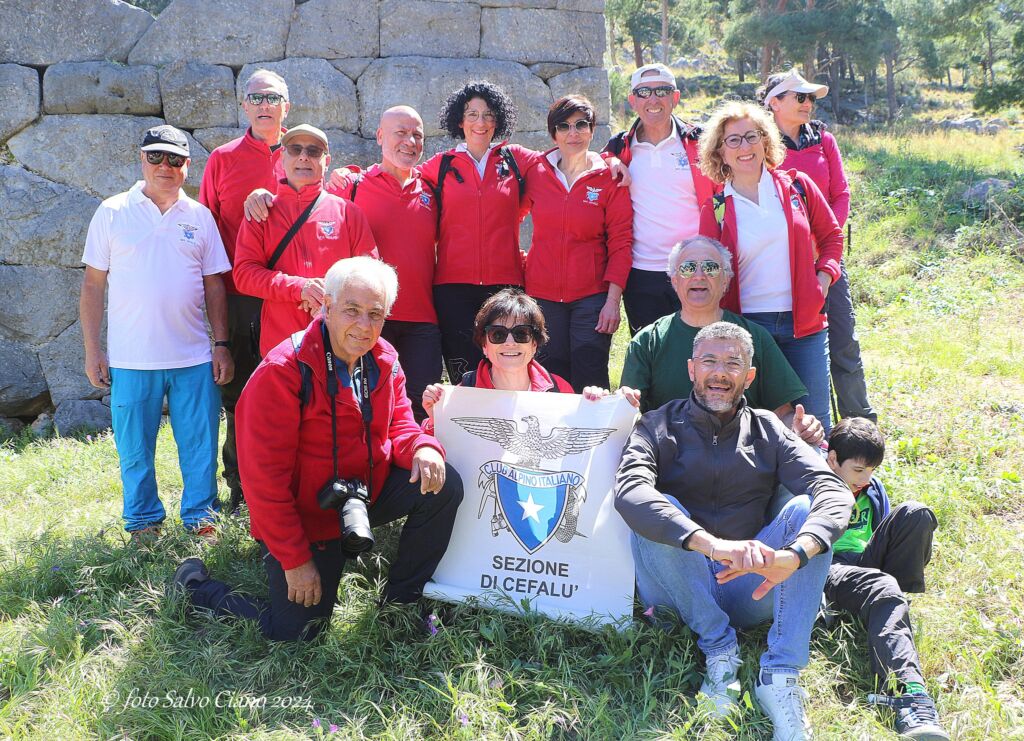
(532, 503)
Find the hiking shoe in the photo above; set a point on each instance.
(782, 700)
(192, 571)
(207, 533)
(146, 535)
(721, 683)
(915, 716)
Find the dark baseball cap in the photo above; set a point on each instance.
(165, 138)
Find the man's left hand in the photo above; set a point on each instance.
(775, 571)
(807, 427)
(223, 366)
(428, 469)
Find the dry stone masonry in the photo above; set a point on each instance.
(82, 79)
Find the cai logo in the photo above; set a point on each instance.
(328, 229)
(794, 201)
(188, 231)
(682, 161)
(425, 199)
(592, 195)
(532, 503)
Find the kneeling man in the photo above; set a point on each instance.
(325, 431)
(695, 484)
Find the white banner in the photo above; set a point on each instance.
(538, 524)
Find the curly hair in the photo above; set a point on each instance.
(510, 303)
(497, 100)
(713, 138)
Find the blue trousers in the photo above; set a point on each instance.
(649, 296)
(576, 351)
(684, 581)
(136, 402)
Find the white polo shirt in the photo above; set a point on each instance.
(762, 248)
(665, 208)
(155, 265)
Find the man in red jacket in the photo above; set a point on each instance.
(233, 171)
(331, 408)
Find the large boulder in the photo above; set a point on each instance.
(529, 35)
(981, 193)
(430, 28)
(349, 149)
(19, 90)
(101, 87)
(213, 138)
(547, 70)
(22, 386)
(424, 82)
(320, 94)
(588, 6)
(44, 32)
(63, 362)
(328, 29)
(105, 157)
(231, 32)
(589, 81)
(81, 416)
(39, 302)
(518, 3)
(41, 222)
(198, 95)
(353, 67)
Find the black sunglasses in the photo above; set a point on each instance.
(801, 97)
(688, 268)
(646, 92)
(260, 98)
(312, 151)
(522, 333)
(174, 160)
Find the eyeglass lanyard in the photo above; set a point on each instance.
(365, 409)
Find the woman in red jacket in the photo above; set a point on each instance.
(785, 241)
(479, 186)
(581, 253)
(813, 150)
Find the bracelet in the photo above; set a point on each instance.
(800, 553)
(222, 343)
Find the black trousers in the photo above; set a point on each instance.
(241, 309)
(421, 546)
(419, 351)
(873, 585)
(456, 305)
(648, 296)
(845, 363)
(576, 351)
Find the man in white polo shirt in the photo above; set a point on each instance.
(162, 256)
(667, 189)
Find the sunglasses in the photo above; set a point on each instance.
(646, 92)
(801, 97)
(474, 116)
(174, 160)
(580, 126)
(312, 151)
(522, 333)
(261, 98)
(688, 268)
(735, 141)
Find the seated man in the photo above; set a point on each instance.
(882, 556)
(695, 483)
(700, 269)
(309, 409)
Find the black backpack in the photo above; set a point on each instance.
(446, 166)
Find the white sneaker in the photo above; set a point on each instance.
(782, 700)
(721, 683)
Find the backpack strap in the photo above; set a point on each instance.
(442, 173)
(718, 201)
(355, 187)
(292, 231)
(510, 161)
(305, 372)
(801, 191)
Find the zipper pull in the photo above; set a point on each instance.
(714, 440)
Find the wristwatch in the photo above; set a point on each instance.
(800, 553)
(222, 343)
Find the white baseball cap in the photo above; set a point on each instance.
(795, 83)
(661, 74)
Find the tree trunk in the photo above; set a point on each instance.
(949, 79)
(611, 41)
(664, 31)
(638, 53)
(835, 77)
(890, 86)
(991, 54)
(809, 62)
(740, 71)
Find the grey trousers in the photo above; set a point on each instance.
(844, 353)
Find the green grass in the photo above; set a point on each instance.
(87, 635)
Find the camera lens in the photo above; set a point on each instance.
(356, 535)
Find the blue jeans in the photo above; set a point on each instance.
(808, 357)
(669, 576)
(576, 351)
(136, 402)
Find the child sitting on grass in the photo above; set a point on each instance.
(879, 559)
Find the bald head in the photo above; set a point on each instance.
(400, 136)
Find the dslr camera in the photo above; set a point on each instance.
(349, 497)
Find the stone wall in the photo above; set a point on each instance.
(82, 79)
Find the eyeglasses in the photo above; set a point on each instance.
(474, 116)
(312, 151)
(174, 160)
(646, 92)
(522, 333)
(261, 98)
(801, 97)
(736, 140)
(580, 126)
(688, 268)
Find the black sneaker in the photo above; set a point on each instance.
(915, 716)
(191, 571)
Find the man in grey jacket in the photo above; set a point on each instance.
(695, 484)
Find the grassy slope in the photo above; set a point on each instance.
(83, 623)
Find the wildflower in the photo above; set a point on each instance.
(316, 722)
(649, 612)
(332, 728)
(55, 568)
(432, 624)
(463, 719)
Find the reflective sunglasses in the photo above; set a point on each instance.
(580, 126)
(801, 97)
(312, 150)
(261, 98)
(174, 160)
(646, 92)
(474, 116)
(735, 140)
(688, 268)
(522, 333)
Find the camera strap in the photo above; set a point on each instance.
(365, 407)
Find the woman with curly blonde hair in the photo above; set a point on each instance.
(785, 240)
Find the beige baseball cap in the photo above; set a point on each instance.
(308, 130)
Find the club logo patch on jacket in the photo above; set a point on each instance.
(425, 199)
(593, 194)
(794, 201)
(188, 232)
(327, 229)
(682, 160)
